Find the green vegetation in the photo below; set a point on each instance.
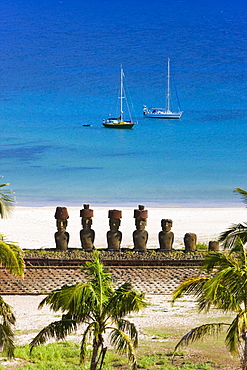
(96, 304)
(7, 200)
(11, 258)
(229, 236)
(202, 247)
(225, 289)
(150, 254)
(151, 356)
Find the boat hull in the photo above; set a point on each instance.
(119, 125)
(158, 113)
(164, 116)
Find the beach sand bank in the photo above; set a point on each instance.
(34, 227)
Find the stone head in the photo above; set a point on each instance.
(114, 216)
(114, 224)
(140, 223)
(140, 215)
(166, 224)
(86, 223)
(190, 240)
(61, 225)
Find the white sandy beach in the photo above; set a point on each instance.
(34, 227)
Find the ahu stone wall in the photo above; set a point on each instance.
(44, 279)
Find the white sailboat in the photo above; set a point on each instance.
(164, 112)
(120, 122)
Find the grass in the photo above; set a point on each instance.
(152, 354)
(155, 352)
(208, 354)
(202, 247)
(66, 356)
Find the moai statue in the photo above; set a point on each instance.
(190, 242)
(61, 236)
(213, 246)
(114, 236)
(166, 236)
(140, 235)
(87, 235)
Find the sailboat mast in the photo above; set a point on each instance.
(168, 84)
(121, 93)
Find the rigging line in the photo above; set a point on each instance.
(127, 105)
(130, 107)
(173, 80)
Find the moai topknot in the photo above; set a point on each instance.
(140, 235)
(190, 240)
(114, 236)
(87, 235)
(61, 236)
(166, 236)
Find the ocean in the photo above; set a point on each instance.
(60, 63)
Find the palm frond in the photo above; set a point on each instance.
(99, 277)
(233, 337)
(77, 299)
(123, 345)
(192, 286)
(125, 300)
(7, 201)
(200, 332)
(226, 289)
(7, 313)
(128, 327)
(242, 192)
(216, 260)
(7, 340)
(82, 299)
(84, 342)
(58, 330)
(19, 257)
(11, 258)
(229, 236)
(238, 251)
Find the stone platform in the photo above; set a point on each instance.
(147, 279)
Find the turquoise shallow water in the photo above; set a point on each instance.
(60, 69)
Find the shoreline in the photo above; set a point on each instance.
(235, 202)
(34, 227)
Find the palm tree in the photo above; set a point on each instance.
(11, 258)
(7, 201)
(229, 236)
(225, 288)
(96, 304)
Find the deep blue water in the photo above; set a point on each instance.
(59, 63)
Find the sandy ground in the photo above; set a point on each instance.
(34, 228)
(159, 313)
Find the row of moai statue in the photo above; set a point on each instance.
(114, 235)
